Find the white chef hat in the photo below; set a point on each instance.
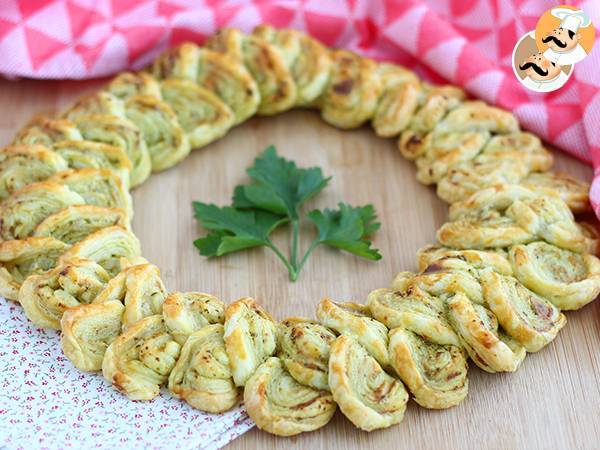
(571, 19)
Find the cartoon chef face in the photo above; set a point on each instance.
(538, 68)
(561, 39)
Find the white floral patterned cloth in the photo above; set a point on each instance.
(45, 403)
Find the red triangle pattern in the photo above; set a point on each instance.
(81, 19)
(40, 46)
(360, 26)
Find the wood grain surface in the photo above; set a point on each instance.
(553, 401)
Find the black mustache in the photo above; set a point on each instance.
(556, 41)
(535, 67)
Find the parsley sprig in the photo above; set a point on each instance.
(274, 198)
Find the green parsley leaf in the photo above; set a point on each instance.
(280, 186)
(347, 229)
(232, 229)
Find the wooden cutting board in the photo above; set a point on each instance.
(553, 401)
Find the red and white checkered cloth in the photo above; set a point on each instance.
(465, 42)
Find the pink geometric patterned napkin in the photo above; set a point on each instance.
(45, 403)
(465, 42)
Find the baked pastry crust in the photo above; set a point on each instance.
(98, 187)
(304, 350)
(140, 360)
(139, 288)
(201, 114)
(429, 255)
(202, 376)
(101, 102)
(120, 132)
(107, 247)
(414, 310)
(265, 64)
(88, 330)
(574, 192)
(46, 131)
(477, 328)
(355, 320)
(21, 165)
(398, 101)
(525, 316)
(280, 405)
(45, 297)
(188, 312)
(436, 375)
(250, 338)
(26, 208)
(365, 393)
(522, 147)
(74, 223)
(569, 280)
(441, 282)
(88, 154)
(218, 72)
(352, 94)
(165, 139)
(306, 59)
(128, 84)
(21, 258)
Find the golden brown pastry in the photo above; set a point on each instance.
(415, 310)
(139, 288)
(441, 282)
(26, 208)
(528, 318)
(128, 84)
(434, 104)
(202, 376)
(477, 327)
(98, 187)
(569, 280)
(355, 320)
(250, 338)
(265, 64)
(100, 102)
(495, 198)
(140, 360)
(120, 132)
(88, 330)
(201, 114)
(398, 101)
(353, 91)
(280, 405)
(218, 72)
(572, 191)
(21, 258)
(465, 179)
(74, 223)
(165, 139)
(46, 131)
(365, 393)
(188, 312)
(21, 165)
(460, 136)
(549, 218)
(107, 247)
(306, 58)
(304, 350)
(522, 147)
(45, 297)
(88, 154)
(436, 375)
(430, 254)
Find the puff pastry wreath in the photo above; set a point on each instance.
(510, 258)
